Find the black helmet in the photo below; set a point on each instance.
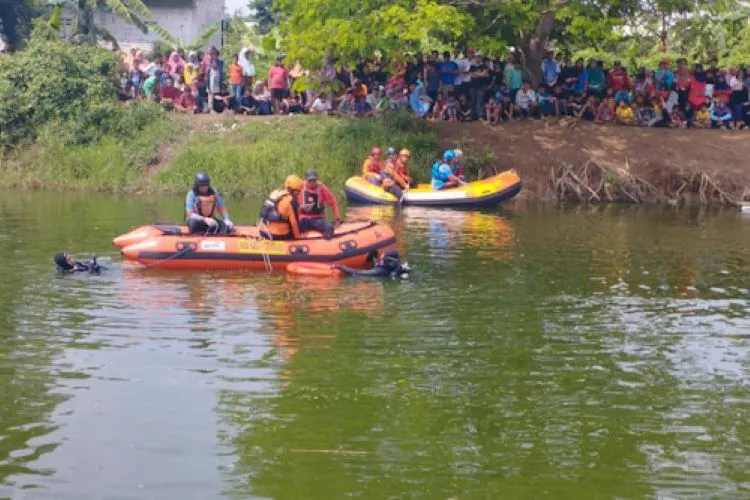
(61, 259)
(311, 174)
(202, 179)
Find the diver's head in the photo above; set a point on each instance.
(64, 261)
(390, 260)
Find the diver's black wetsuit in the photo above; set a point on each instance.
(80, 266)
(389, 266)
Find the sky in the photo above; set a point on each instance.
(231, 6)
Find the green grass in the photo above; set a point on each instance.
(244, 156)
(257, 154)
(64, 157)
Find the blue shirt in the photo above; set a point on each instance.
(549, 70)
(447, 69)
(433, 82)
(664, 77)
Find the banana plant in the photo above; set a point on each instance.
(180, 43)
(133, 12)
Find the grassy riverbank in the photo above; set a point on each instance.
(151, 151)
(243, 155)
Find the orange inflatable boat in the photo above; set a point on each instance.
(170, 247)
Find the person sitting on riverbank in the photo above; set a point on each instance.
(312, 203)
(372, 168)
(202, 203)
(278, 215)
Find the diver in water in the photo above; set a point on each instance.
(389, 265)
(67, 263)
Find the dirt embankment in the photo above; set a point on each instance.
(678, 163)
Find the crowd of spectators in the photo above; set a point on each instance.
(452, 86)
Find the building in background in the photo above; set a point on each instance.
(183, 19)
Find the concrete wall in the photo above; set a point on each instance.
(185, 19)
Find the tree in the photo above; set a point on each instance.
(265, 14)
(15, 20)
(312, 29)
(531, 26)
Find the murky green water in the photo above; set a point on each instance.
(538, 353)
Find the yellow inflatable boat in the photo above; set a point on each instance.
(483, 193)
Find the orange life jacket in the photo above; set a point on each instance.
(205, 205)
(371, 166)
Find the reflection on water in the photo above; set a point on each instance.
(538, 352)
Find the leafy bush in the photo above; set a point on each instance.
(71, 85)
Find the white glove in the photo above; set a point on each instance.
(229, 224)
(210, 222)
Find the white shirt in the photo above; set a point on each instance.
(321, 106)
(524, 98)
(463, 67)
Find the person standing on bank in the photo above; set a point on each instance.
(312, 204)
(201, 204)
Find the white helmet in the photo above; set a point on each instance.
(458, 153)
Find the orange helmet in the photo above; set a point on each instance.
(293, 182)
(375, 151)
(404, 152)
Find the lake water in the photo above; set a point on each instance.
(536, 352)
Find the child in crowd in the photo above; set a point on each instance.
(451, 107)
(464, 109)
(575, 103)
(588, 110)
(702, 117)
(677, 118)
(547, 104)
(492, 110)
(721, 115)
(438, 110)
(624, 113)
(643, 113)
(605, 113)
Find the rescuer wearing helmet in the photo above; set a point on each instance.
(372, 168)
(398, 172)
(442, 172)
(201, 204)
(278, 215)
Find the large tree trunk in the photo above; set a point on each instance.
(534, 44)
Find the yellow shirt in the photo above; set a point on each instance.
(702, 116)
(625, 112)
(190, 72)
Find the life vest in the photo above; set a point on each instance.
(439, 174)
(373, 166)
(314, 198)
(401, 169)
(205, 204)
(269, 212)
(436, 169)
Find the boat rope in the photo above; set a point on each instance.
(179, 253)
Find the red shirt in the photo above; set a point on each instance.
(187, 100)
(617, 80)
(277, 77)
(166, 92)
(324, 197)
